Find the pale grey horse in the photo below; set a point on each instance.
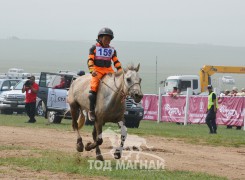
(110, 105)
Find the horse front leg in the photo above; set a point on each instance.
(118, 151)
(97, 136)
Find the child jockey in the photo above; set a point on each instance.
(99, 63)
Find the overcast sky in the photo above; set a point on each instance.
(220, 22)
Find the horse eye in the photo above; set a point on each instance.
(128, 80)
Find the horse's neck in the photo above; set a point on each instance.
(113, 87)
(118, 85)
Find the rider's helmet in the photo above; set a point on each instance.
(106, 31)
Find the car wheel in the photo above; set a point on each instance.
(54, 117)
(129, 123)
(137, 123)
(39, 109)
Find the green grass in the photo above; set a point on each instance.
(194, 133)
(56, 161)
(73, 163)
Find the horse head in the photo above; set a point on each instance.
(132, 82)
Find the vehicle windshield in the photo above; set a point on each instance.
(170, 83)
(19, 86)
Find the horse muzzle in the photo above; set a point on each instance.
(137, 96)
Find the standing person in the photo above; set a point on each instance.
(212, 110)
(99, 63)
(173, 92)
(31, 88)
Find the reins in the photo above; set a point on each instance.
(122, 93)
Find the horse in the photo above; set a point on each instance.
(110, 105)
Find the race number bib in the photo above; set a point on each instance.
(104, 52)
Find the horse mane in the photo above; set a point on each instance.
(129, 67)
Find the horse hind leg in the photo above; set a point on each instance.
(118, 151)
(97, 137)
(75, 114)
(98, 152)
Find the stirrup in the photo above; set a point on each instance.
(91, 115)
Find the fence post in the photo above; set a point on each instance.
(159, 111)
(244, 122)
(188, 94)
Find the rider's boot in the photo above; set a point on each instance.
(92, 99)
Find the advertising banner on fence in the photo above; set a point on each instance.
(197, 109)
(231, 111)
(173, 108)
(150, 105)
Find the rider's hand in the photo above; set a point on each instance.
(94, 73)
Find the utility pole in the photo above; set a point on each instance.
(156, 78)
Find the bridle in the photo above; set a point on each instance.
(121, 92)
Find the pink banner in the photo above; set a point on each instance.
(173, 108)
(197, 109)
(231, 111)
(150, 105)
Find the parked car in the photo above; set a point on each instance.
(228, 80)
(6, 84)
(11, 99)
(134, 113)
(56, 108)
(52, 100)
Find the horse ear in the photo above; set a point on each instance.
(124, 70)
(137, 68)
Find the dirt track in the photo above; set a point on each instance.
(221, 161)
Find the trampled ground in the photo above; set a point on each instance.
(222, 161)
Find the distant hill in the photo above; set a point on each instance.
(47, 55)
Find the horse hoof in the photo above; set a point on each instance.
(99, 157)
(80, 145)
(117, 155)
(87, 147)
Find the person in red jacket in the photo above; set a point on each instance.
(30, 88)
(174, 92)
(62, 83)
(101, 55)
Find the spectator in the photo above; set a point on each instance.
(62, 83)
(211, 111)
(174, 92)
(31, 89)
(234, 91)
(242, 93)
(225, 93)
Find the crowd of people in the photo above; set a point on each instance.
(233, 92)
